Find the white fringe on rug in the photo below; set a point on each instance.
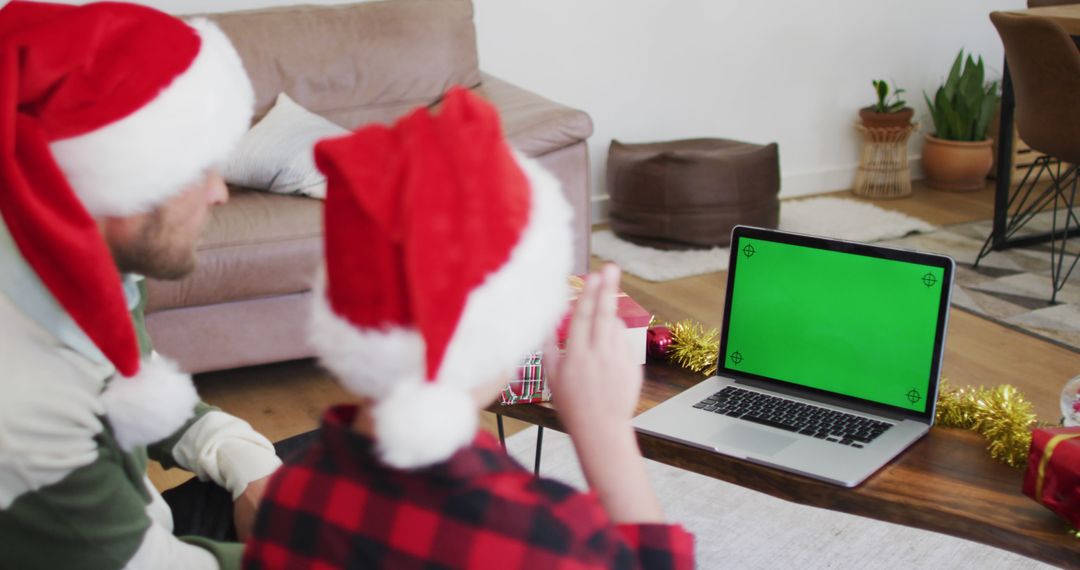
(833, 217)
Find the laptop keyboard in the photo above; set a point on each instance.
(806, 419)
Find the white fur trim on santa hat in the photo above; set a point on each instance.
(137, 162)
(519, 305)
(367, 362)
(421, 423)
(151, 405)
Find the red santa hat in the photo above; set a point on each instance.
(446, 261)
(109, 109)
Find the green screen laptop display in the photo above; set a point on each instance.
(845, 323)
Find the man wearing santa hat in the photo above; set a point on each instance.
(446, 260)
(113, 118)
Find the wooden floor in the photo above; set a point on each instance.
(285, 399)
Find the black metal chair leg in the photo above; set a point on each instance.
(502, 434)
(1021, 210)
(1026, 202)
(1058, 273)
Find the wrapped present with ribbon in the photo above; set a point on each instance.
(1053, 471)
(633, 315)
(529, 385)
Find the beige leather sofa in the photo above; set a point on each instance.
(354, 64)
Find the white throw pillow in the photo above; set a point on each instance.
(276, 155)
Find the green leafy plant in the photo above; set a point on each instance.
(885, 104)
(964, 105)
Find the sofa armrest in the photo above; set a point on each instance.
(534, 125)
(555, 135)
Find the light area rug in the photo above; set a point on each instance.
(834, 217)
(739, 528)
(1011, 286)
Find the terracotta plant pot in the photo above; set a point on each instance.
(958, 166)
(873, 120)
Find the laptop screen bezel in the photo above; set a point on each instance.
(940, 261)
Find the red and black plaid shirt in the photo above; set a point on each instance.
(338, 506)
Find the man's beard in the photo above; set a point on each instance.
(153, 254)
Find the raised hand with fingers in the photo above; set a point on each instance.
(595, 387)
(595, 382)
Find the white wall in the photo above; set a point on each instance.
(790, 71)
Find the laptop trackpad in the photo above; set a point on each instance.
(753, 440)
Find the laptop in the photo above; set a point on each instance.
(830, 355)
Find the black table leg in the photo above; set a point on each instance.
(539, 446)
(539, 441)
(1004, 158)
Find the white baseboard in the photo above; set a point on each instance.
(831, 180)
(791, 186)
(817, 182)
(599, 205)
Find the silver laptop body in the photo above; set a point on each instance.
(830, 357)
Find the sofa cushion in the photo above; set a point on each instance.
(356, 63)
(255, 245)
(534, 125)
(277, 154)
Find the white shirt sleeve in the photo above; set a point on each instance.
(160, 550)
(227, 451)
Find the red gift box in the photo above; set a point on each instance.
(633, 315)
(1053, 471)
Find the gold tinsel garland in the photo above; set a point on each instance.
(1000, 414)
(693, 347)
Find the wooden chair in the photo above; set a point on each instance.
(1045, 68)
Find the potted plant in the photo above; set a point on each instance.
(958, 156)
(889, 111)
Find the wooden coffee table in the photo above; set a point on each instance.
(945, 483)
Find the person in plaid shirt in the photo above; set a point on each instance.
(446, 259)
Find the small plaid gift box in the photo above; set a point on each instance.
(529, 386)
(1053, 475)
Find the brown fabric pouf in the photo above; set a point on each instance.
(689, 194)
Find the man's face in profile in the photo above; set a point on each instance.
(161, 243)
